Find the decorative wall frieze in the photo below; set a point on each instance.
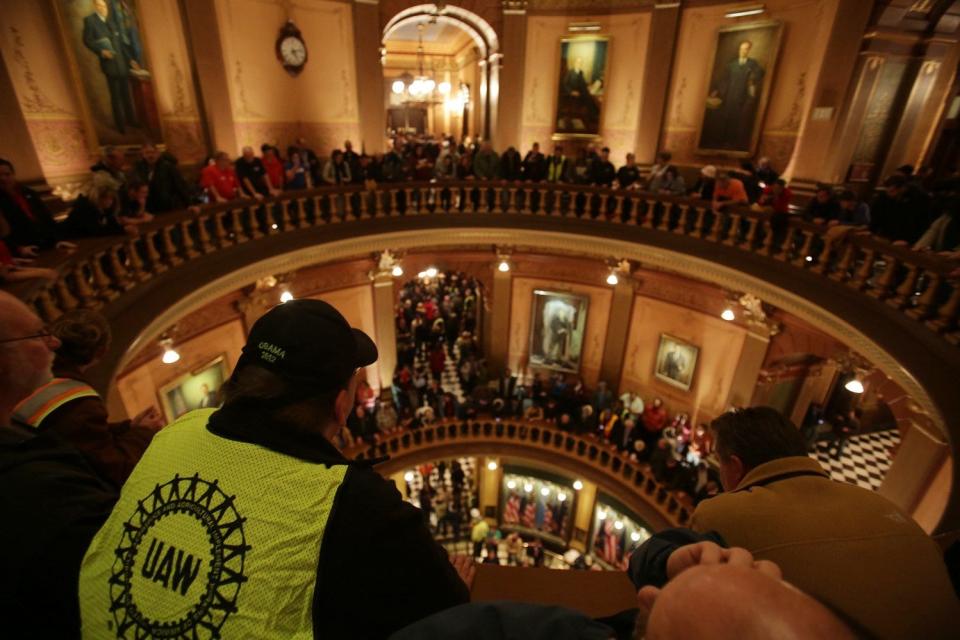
(34, 100)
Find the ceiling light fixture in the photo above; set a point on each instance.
(854, 386)
(743, 12)
(170, 355)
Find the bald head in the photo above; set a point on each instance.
(739, 603)
(26, 355)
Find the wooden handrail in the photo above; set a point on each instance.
(630, 481)
(105, 268)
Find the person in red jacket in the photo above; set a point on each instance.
(69, 407)
(654, 419)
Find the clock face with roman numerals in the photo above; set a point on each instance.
(293, 51)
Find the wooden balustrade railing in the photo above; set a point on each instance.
(924, 287)
(597, 460)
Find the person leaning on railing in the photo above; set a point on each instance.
(322, 546)
(848, 547)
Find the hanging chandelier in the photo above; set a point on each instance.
(421, 87)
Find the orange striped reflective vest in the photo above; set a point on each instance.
(34, 409)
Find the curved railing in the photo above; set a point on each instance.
(923, 287)
(631, 482)
(908, 303)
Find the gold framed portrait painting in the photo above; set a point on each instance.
(199, 389)
(104, 41)
(557, 330)
(741, 73)
(676, 362)
(581, 87)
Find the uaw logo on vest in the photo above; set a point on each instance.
(179, 566)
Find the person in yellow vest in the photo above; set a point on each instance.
(246, 522)
(51, 501)
(68, 406)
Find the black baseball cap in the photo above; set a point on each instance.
(308, 341)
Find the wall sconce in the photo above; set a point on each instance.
(728, 315)
(583, 27)
(286, 296)
(743, 12)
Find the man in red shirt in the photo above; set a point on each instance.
(220, 180)
(274, 167)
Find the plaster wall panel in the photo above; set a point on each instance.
(138, 388)
(268, 104)
(33, 52)
(628, 36)
(720, 343)
(598, 315)
(802, 44)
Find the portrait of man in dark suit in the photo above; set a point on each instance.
(676, 361)
(583, 64)
(737, 88)
(104, 35)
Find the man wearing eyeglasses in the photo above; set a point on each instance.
(51, 501)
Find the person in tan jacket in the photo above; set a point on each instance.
(848, 547)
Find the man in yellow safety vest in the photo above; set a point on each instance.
(246, 522)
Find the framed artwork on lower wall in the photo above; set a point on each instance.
(676, 362)
(557, 330)
(199, 389)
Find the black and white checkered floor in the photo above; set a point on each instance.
(865, 460)
(450, 378)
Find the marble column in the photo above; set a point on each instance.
(513, 46)
(17, 143)
(911, 480)
(658, 63)
(618, 330)
(745, 376)
(212, 72)
(488, 488)
(384, 300)
(499, 326)
(583, 515)
(814, 157)
(366, 54)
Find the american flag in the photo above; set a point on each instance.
(511, 512)
(530, 514)
(548, 519)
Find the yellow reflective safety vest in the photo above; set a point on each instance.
(34, 409)
(210, 538)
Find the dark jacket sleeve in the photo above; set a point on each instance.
(648, 564)
(380, 569)
(112, 449)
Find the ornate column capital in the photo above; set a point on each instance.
(514, 7)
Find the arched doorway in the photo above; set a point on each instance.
(441, 67)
